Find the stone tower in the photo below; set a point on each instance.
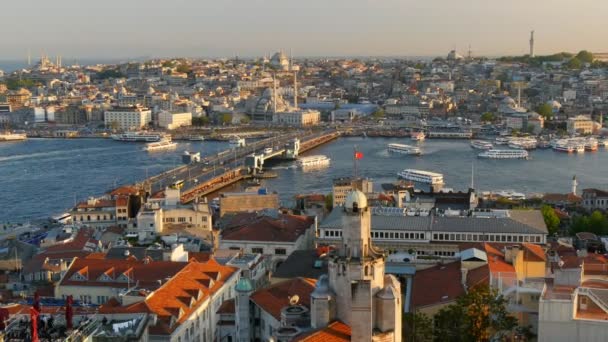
(243, 320)
(531, 43)
(362, 295)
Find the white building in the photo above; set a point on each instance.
(127, 118)
(171, 121)
(158, 215)
(581, 124)
(298, 118)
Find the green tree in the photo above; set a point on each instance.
(545, 110)
(574, 63)
(488, 117)
(226, 119)
(329, 201)
(596, 223)
(479, 315)
(183, 68)
(379, 113)
(551, 219)
(585, 56)
(14, 83)
(417, 327)
(200, 121)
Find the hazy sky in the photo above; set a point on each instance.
(131, 28)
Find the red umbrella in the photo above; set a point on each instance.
(34, 321)
(68, 312)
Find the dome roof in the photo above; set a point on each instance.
(357, 197)
(244, 285)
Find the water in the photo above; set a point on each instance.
(43, 177)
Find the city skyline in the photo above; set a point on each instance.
(339, 28)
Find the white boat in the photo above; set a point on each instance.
(562, 145)
(418, 136)
(236, 142)
(526, 143)
(165, 144)
(502, 140)
(138, 137)
(510, 194)
(421, 176)
(504, 154)
(196, 138)
(12, 136)
(591, 144)
(313, 161)
(481, 144)
(404, 149)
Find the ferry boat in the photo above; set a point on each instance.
(603, 142)
(502, 140)
(481, 145)
(504, 154)
(421, 176)
(12, 136)
(523, 143)
(165, 144)
(404, 149)
(138, 137)
(196, 138)
(591, 144)
(563, 146)
(313, 161)
(237, 142)
(418, 136)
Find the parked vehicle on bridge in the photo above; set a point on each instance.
(268, 150)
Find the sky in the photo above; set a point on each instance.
(225, 28)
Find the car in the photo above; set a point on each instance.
(268, 150)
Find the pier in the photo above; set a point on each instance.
(231, 166)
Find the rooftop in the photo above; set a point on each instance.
(275, 297)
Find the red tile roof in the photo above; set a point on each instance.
(334, 332)
(124, 191)
(533, 252)
(478, 276)
(99, 203)
(496, 260)
(286, 228)
(275, 297)
(227, 307)
(145, 274)
(179, 297)
(83, 241)
(436, 285)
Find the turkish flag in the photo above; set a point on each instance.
(34, 324)
(358, 155)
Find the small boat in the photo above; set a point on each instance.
(12, 136)
(165, 144)
(313, 161)
(236, 142)
(481, 145)
(504, 154)
(421, 176)
(418, 136)
(404, 149)
(196, 138)
(138, 137)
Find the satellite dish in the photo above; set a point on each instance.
(293, 300)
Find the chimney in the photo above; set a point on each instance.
(463, 276)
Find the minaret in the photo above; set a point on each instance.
(532, 43)
(243, 292)
(29, 57)
(574, 184)
(274, 93)
(295, 90)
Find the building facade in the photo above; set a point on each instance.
(127, 118)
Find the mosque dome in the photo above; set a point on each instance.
(354, 199)
(554, 104)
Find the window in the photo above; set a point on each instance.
(257, 250)
(280, 251)
(181, 219)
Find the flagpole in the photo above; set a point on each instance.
(355, 161)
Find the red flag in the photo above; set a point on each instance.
(36, 301)
(34, 324)
(358, 155)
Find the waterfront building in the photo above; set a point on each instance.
(98, 212)
(235, 202)
(595, 199)
(343, 186)
(271, 234)
(18, 98)
(580, 124)
(127, 118)
(298, 118)
(344, 115)
(171, 121)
